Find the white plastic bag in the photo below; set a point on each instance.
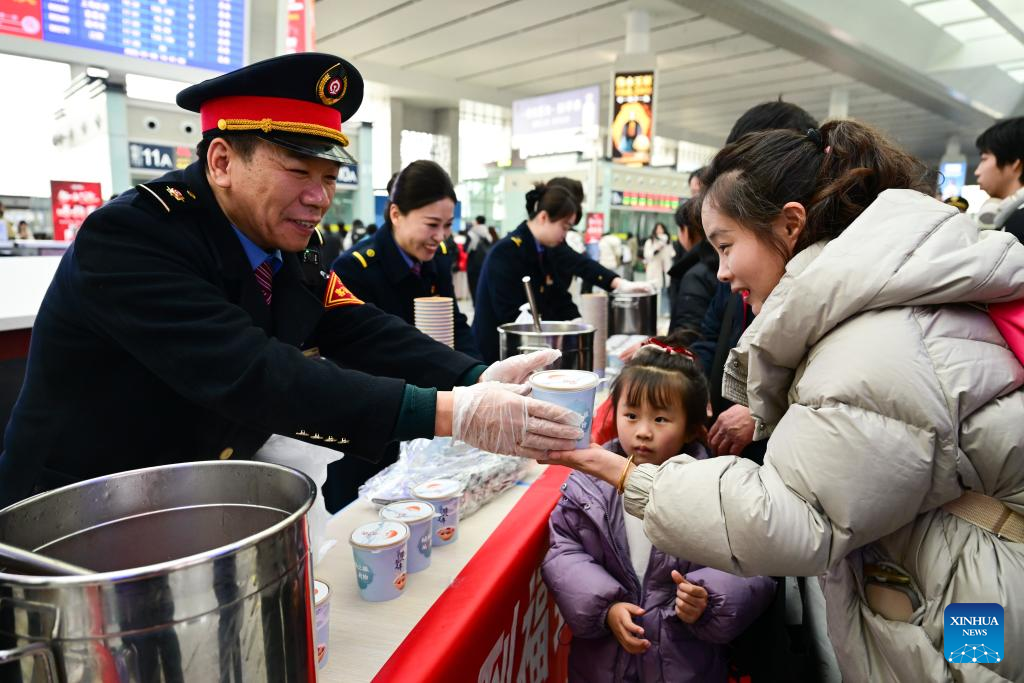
(312, 461)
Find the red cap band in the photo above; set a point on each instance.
(274, 108)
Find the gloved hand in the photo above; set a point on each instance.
(634, 287)
(497, 418)
(516, 369)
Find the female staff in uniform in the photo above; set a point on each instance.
(407, 257)
(537, 248)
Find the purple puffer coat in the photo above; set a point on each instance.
(588, 569)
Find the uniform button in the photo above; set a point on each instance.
(371, 253)
(227, 453)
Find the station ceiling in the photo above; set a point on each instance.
(922, 70)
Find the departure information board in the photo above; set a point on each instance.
(209, 34)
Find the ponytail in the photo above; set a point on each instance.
(559, 197)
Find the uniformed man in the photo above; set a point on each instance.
(537, 248)
(188, 319)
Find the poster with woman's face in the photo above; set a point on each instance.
(632, 127)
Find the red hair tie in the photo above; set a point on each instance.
(681, 350)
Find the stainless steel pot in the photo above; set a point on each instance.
(203, 574)
(574, 340)
(633, 314)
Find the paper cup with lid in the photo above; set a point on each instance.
(380, 551)
(444, 495)
(321, 621)
(572, 389)
(418, 515)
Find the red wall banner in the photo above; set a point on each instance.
(497, 623)
(72, 202)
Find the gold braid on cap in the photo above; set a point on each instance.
(267, 125)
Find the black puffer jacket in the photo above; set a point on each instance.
(697, 273)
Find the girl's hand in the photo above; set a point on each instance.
(630, 635)
(595, 460)
(691, 599)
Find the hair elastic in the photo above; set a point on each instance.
(814, 135)
(662, 346)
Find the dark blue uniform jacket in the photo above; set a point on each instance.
(154, 345)
(375, 271)
(500, 293)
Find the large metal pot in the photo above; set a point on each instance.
(574, 340)
(633, 314)
(203, 574)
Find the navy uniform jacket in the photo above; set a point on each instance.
(154, 345)
(375, 271)
(500, 293)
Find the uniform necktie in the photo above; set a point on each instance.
(416, 268)
(265, 278)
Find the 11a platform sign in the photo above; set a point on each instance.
(151, 157)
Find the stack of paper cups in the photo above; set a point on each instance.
(595, 312)
(434, 316)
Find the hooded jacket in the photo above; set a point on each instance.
(886, 394)
(588, 570)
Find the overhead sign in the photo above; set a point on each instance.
(562, 112)
(72, 202)
(645, 201)
(632, 126)
(209, 35)
(152, 157)
(348, 174)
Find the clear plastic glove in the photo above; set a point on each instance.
(634, 287)
(517, 369)
(498, 418)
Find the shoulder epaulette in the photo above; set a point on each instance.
(517, 240)
(168, 196)
(359, 257)
(444, 248)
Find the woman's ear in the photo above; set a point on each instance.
(791, 223)
(394, 213)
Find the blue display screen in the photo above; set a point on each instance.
(209, 34)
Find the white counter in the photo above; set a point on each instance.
(23, 282)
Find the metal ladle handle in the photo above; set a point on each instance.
(41, 562)
(533, 303)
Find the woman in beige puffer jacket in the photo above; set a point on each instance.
(885, 392)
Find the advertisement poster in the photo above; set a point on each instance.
(632, 127)
(72, 202)
(595, 228)
(21, 18)
(300, 23)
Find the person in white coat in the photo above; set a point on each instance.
(893, 407)
(658, 255)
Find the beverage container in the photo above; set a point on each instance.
(379, 549)
(321, 621)
(418, 515)
(444, 495)
(572, 389)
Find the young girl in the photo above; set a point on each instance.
(636, 613)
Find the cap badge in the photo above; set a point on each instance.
(332, 85)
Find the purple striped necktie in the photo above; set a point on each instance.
(265, 278)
